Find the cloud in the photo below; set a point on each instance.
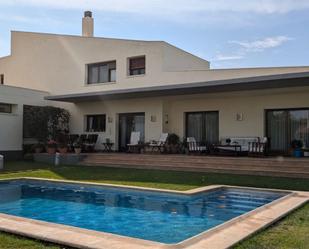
(244, 48)
(263, 44)
(229, 57)
(171, 7)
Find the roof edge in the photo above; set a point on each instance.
(226, 84)
(85, 37)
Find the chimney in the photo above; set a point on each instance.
(87, 24)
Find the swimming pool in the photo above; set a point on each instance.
(150, 215)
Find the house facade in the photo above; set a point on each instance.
(113, 87)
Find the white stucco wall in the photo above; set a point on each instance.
(11, 124)
(151, 107)
(252, 104)
(57, 63)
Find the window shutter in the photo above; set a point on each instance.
(137, 63)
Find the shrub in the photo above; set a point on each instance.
(296, 144)
(173, 139)
(45, 122)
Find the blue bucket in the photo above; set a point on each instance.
(298, 153)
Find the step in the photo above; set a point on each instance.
(238, 161)
(194, 157)
(212, 170)
(201, 165)
(182, 166)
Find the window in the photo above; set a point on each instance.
(102, 72)
(96, 123)
(5, 108)
(283, 126)
(1, 79)
(137, 65)
(203, 126)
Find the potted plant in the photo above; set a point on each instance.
(62, 148)
(296, 146)
(62, 141)
(77, 148)
(51, 147)
(173, 142)
(37, 148)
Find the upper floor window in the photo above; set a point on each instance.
(1, 79)
(5, 108)
(96, 123)
(137, 65)
(101, 72)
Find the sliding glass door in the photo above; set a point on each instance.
(283, 126)
(203, 126)
(129, 122)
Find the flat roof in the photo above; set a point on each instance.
(236, 84)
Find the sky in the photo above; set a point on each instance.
(228, 33)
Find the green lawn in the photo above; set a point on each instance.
(292, 232)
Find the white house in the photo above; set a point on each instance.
(115, 86)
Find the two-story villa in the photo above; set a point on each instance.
(115, 86)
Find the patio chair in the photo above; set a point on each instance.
(91, 142)
(82, 140)
(259, 148)
(159, 146)
(134, 145)
(73, 138)
(195, 147)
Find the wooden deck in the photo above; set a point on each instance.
(283, 167)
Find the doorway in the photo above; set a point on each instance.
(203, 126)
(283, 126)
(129, 122)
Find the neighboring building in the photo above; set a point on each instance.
(12, 101)
(114, 86)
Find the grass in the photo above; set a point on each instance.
(291, 233)
(8, 241)
(147, 178)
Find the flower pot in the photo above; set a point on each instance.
(78, 150)
(298, 153)
(51, 150)
(63, 150)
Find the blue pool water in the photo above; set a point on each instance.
(156, 216)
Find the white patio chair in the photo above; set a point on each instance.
(159, 145)
(194, 146)
(134, 141)
(258, 148)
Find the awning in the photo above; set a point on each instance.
(239, 84)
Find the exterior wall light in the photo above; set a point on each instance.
(153, 118)
(239, 117)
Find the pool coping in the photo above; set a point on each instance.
(222, 236)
